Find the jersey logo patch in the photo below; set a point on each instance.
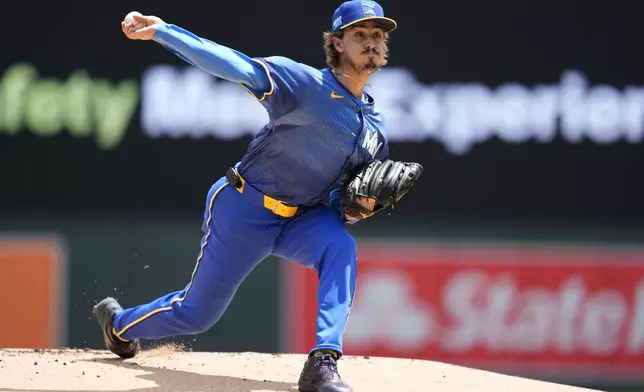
(335, 96)
(371, 143)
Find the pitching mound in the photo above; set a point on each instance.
(167, 369)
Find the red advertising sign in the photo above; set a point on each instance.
(552, 308)
(33, 286)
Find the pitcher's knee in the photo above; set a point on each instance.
(202, 325)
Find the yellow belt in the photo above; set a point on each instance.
(276, 206)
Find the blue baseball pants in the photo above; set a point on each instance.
(239, 232)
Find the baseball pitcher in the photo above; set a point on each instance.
(320, 163)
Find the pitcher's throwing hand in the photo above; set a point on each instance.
(142, 28)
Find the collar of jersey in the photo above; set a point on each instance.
(356, 100)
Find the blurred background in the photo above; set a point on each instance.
(519, 251)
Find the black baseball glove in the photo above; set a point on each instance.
(385, 181)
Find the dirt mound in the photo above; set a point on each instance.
(171, 369)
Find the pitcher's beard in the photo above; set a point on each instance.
(368, 67)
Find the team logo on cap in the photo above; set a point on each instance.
(368, 8)
(337, 22)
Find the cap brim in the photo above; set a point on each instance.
(386, 23)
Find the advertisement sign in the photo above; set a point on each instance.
(79, 105)
(34, 284)
(187, 102)
(545, 309)
(505, 132)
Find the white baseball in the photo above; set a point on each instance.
(129, 18)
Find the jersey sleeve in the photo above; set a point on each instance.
(211, 57)
(289, 80)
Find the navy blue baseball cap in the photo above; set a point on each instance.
(354, 11)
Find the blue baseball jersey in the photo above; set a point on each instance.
(317, 133)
